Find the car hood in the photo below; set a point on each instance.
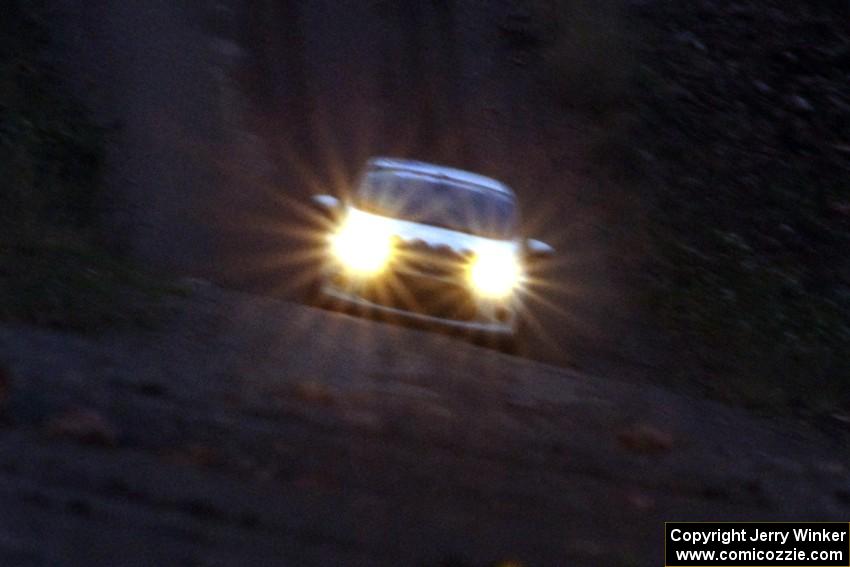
(412, 232)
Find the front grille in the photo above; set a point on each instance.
(418, 258)
(427, 266)
(421, 279)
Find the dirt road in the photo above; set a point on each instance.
(253, 431)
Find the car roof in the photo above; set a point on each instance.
(425, 168)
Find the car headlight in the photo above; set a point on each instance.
(495, 272)
(362, 244)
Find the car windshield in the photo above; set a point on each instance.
(438, 201)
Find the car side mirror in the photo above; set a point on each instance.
(326, 202)
(327, 206)
(538, 249)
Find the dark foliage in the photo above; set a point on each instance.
(745, 118)
(51, 155)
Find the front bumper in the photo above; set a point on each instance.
(433, 301)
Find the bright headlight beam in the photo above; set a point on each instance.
(362, 245)
(495, 273)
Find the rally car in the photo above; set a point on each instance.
(427, 243)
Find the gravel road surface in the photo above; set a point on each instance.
(254, 431)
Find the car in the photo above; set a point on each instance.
(427, 243)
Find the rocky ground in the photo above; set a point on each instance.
(250, 430)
